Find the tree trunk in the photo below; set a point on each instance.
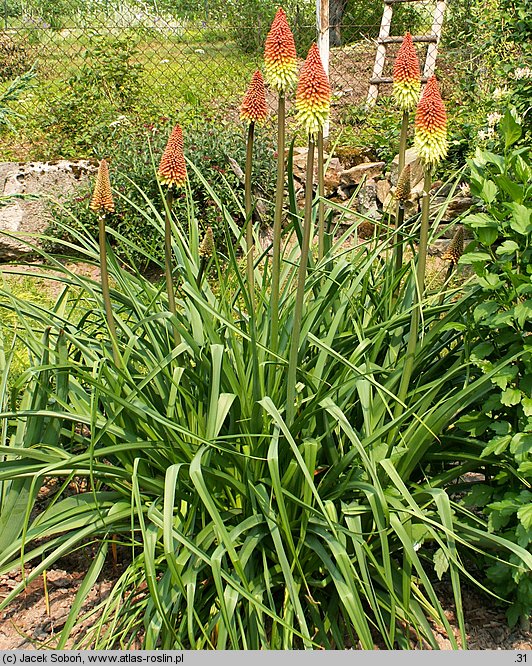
(336, 13)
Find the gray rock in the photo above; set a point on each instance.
(416, 168)
(355, 175)
(40, 182)
(383, 189)
(367, 200)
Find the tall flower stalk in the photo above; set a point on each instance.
(172, 172)
(252, 110)
(321, 193)
(103, 204)
(313, 101)
(406, 87)
(280, 72)
(430, 141)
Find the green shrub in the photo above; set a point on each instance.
(210, 145)
(103, 93)
(14, 57)
(501, 256)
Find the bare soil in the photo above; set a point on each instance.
(32, 621)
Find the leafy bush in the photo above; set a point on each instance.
(501, 256)
(14, 57)
(104, 91)
(373, 127)
(211, 145)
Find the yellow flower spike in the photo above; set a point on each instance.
(406, 75)
(280, 58)
(430, 139)
(172, 168)
(102, 198)
(313, 95)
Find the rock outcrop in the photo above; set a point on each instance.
(26, 190)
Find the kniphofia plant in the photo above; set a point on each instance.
(280, 73)
(103, 204)
(172, 172)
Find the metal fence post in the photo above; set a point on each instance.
(322, 21)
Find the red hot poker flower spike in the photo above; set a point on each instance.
(172, 168)
(280, 53)
(254, 108)
(406, 75)
(430, 139)
(313, 95)
(102, 199)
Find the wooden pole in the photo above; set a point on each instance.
(322, 23)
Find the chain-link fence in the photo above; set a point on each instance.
(173, 53)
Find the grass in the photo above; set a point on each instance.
(28, 289)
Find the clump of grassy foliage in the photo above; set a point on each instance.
(270, 498)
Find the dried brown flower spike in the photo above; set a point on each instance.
(206, 248)
(402, 191)
(102, 199)
(456, 247)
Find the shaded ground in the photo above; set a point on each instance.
(30, 624)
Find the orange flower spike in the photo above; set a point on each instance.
(102, 198)
(406, 75)
(430, 139)
(172, 168)
(313, 94)
(280, 59)
(254, 108)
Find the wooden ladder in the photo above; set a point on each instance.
(384, 40)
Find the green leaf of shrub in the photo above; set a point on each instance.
(520, 220)
(526, 403)
(490, 281)
(441, 563)
(483, 311)
(504, 376)
(479, 495)
(496, 446)
(489, 191)
(487, 235)
(521, 444)
(523, 312)
(525, 516)
(508, 247)
(511, 397)
(511, 129)
(501, 512)
(479, 220)
(524, 535)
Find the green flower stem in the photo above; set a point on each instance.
(399, 219)
(201, 271)
(402, 141)
(105, 289)
(279, 197)
(413, 335)
(300, 293)
(168, 259)
(321, 192)
(249, 210)
(400, 211)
